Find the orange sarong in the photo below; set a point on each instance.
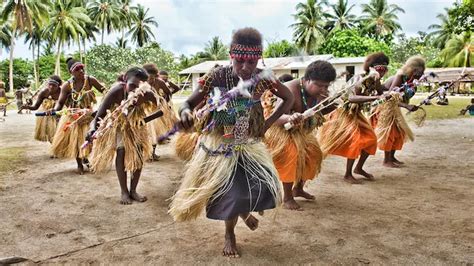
(395, 139)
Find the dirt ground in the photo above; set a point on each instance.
(420, 214)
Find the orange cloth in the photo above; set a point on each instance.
(395, 140)
(355, 134)
(287, 163)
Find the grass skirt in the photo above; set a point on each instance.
(46, 125)
(169, 115)
(212, 182)
(390, 126)
(156, 127)
(70, 135)
(347, 133)
(129, 133)
(186, 145)
(296, 153)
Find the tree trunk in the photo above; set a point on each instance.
(103, 30)
(80, 51)
(10, 70)
(35, 69)
(84, 46)
(38, 58)
(57, 69)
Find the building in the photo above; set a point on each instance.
(295, 66)
(447, 75)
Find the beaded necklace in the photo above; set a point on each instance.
(77, 96)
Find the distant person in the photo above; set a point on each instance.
(19, 100)
(3, 99)
(285, 78)
(469, 108)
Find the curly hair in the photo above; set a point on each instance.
(247, 36)
(374, 59)
(320, 70)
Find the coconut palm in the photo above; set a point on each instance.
(5, 36)
(215, 50)
(34, 39)
(22, 14)
(67, 23)
(340, 17)
(380, 19)
(121, 43)
(442, 32)
(141, 26)
(459, 51)
(129, 13)
(106, 14)
(309, 27)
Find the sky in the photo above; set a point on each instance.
(185, 26)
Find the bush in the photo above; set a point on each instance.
(350, 43)
(22, 73)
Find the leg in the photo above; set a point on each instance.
(348, 177)
(133, 187)
(80, 167)
(360, 164)
(154, 156)
(395, 159)
(249, 220)
(122, 176)
(388, 160)
(299, 192)
(230, 245)
(288, 200)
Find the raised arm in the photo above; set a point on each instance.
(96, 84)
(65, 91)
(287, 101)
(174, 87)
(41, 96)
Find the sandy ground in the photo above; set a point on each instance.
(420, 214)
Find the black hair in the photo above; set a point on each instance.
(70, 62)
(320, 70)
(138, 72)
(247, 36)
(57, 79)
(374, 59)
(151, 68)
(163, 72)
(285, 78)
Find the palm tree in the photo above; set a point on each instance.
(215, 50)
(340, 17)
(459, 51)
(106, 14)
(22, 14)
(309, 28)
(129, 13)
(5, 36)
(67, 23)
(442, 32)
(121, 43)
(34, 39)
(380, 18)
(141, 26)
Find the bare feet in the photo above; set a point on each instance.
(125, 200)
(250, 221)
(391, 164)
(230, 247)
(137, 197)
(299, 192)
(363, 173)
(291, 204)
(154, 158)
(350, 179)
(397, 161)
(80, 169)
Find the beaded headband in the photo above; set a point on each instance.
(53, 82)
(241, 51)
(76, 65)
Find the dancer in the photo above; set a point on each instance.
(168, 88)
(118, 129)
(469, 108)
(160, 126)
(296, 152)
(46, 99)
(77, 95)
(347, 132)
(388, 122)
(231, 173)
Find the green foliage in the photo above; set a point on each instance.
(105, 62)
(309, 28)
(405, 47)
(280, 49)
(46, 67)
(459, 51)
(462, 17)
(380, 20)
(22, 72)
(350, 43)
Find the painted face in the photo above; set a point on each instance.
(244, 68)
(133, 83)
(381, 69)
(317, 88)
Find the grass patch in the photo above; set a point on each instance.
(10, 159)
(451, 111)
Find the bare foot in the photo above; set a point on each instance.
(154, 158)
(137, 197)
(363, 173)
(230, 247)
(80, 169)
(350, 179)
(125, 200)
(397, 161)
(250, 221)
(391, 164)
(299, 192)
(291, 204)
